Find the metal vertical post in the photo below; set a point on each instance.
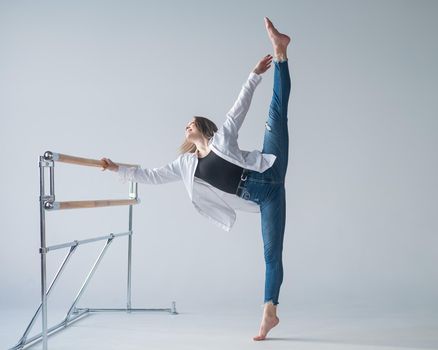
(133, 193)
(128, 297)
(43, 255)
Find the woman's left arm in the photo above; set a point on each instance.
(236, 115)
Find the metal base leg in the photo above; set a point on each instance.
(78, 314)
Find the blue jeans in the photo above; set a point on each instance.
(267, 189)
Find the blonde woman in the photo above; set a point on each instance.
(221, 178)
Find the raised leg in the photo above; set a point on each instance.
(276, 137)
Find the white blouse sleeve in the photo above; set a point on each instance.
(238, 111)
(155, 176)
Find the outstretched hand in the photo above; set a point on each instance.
(263, 65)
(109, 164)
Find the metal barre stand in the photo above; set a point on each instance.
(47, 202)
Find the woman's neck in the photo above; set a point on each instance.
(202, 148)
(203, 153)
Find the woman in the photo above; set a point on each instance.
(220, 178)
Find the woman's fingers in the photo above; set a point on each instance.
(266, 58)
(105, 163)
(264, 64)
(108, 164)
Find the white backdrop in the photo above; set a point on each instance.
(121, 79)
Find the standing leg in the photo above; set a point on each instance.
(273, 220)
(273, 210)
(273, 217)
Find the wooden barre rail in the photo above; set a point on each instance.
(65, 158)
(89, 204)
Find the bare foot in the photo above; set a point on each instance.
(279, 40)
(268, 323)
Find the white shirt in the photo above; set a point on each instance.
(217, 205)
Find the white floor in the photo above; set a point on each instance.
(219, 329)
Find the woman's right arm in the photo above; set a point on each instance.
(167, 173)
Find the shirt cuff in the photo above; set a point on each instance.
(254, 76)
(122, 173)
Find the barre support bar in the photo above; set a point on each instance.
(85, 241)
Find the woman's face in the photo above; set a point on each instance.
(192, 132)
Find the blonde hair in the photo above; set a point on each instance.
(207, 129)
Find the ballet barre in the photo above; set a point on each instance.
(89, 204)
(65, 158)
(48, 203)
